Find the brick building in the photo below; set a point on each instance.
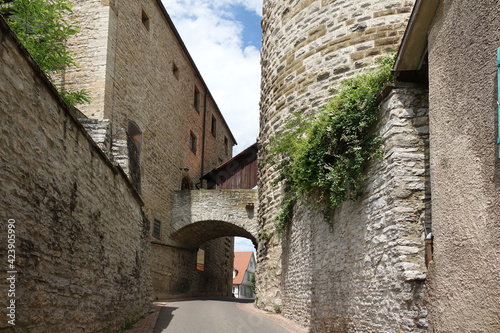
(144, 83)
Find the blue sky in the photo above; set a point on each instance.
(224, 40)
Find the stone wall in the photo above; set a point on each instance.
(185, 280)
(463, 284)
(141, 72)
(308, 47)
(82, 241)
(366, 271)
(94, 51)
(198, 216)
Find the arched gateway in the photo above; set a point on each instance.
(198, 216)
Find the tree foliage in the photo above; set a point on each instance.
(326, 155)
(43, 26)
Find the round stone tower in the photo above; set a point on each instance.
(309, 46)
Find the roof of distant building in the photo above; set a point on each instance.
(241, 261)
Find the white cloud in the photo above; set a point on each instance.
(243, 245)
(230, 69)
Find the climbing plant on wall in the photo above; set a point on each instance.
(325, 155)
(43, 26)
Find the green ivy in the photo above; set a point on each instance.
(43, 26)
(325, 155)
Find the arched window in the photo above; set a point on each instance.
(136, 135)
(186, 184)
(200, 260)
(134, 144)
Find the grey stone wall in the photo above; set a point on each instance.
(82, 244)
(100, 131)
(308, 47)
(129, 69)
(185, 280)
(366, 271)
(198, 216)
(463, 284)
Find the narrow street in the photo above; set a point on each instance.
(213, 316)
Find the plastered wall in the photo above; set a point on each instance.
(463, 279)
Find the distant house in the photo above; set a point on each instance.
(244, 268)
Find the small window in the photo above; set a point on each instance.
(197, 99)
(192, 143)
(145, 20)
(134, 144)
(157, 228)
(214, 127)
(136, 135)
(175, 71)
(226, 145)
(200, 260)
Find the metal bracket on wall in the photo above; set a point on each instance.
(498, 99)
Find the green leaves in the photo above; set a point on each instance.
(326, 155)
(43, 26)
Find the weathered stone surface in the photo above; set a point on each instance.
(366, 271)
(140, 72)
(294, 63)
(82, 241)
(198, 216)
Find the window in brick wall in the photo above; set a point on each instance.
(136, 135)
(226, 145)
(214, 127)
(157, 228)
(200, 260)
(192, 142)
(197, 99)
(145, 20)
(175, 71)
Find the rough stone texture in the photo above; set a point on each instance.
(100, 131)
(366, 271)
(93, 54)
(129, 68)
(185, 280)
(82, 245)
(463, 284)
(308, 47)
(198, 216)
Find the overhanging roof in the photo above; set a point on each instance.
(414, 45)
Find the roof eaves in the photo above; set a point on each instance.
(414, 44)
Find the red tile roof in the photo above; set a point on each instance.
(241, 261)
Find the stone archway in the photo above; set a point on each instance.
(198, 216)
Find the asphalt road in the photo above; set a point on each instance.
(212, 316)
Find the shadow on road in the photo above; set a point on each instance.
(166, 315)
(167, 312)
(220, 299)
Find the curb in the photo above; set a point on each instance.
(288, 324)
